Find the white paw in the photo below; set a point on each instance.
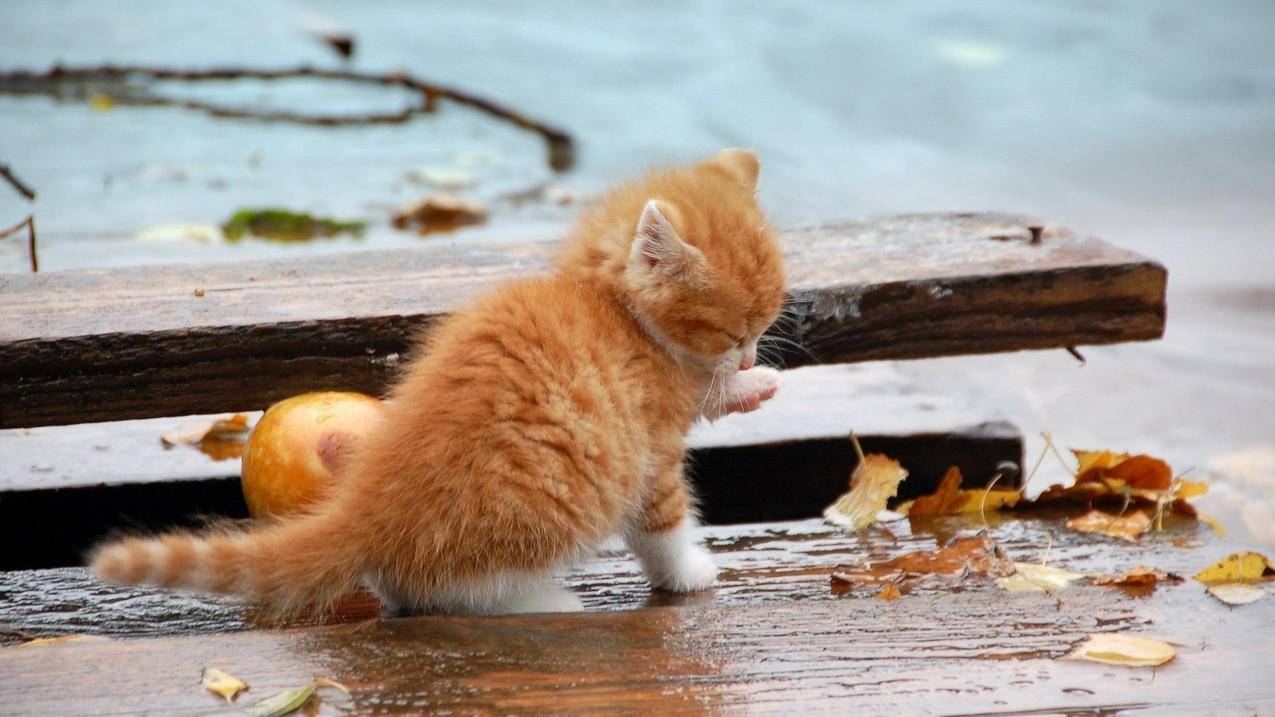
(748, 389)
(693, 570)
(672, 560)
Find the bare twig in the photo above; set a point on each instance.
(560, 146)
(1076, 354)
(16, 183)
(29, 223)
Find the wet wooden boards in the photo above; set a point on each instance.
(773, 638)
(114, 344)
(110, 476)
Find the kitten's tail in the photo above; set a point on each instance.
(304, 564)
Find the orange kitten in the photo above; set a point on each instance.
(533, 425)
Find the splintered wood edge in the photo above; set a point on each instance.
(867, 291)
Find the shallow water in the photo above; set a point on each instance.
(1151, 124)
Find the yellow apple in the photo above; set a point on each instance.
(297, 448)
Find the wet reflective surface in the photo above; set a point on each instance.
(772, 638)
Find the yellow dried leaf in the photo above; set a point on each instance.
(1236, 593)
(1126, 527)
(1187, 489)
(874, 481)
(286, 702)
(39, 641)
(1033, 576)
(221, 439)
(223, 683)
(1237, 567)
(889, 592)
(948, 499)
(1127, 650)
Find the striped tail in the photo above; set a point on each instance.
(301, 565)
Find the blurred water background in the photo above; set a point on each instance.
(1149, 123)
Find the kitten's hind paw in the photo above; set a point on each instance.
(694, 570)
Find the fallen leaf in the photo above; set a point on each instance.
(874, 481)
(1033, 576)
(221, 439)
(1236, 593)
(223, 683)
(101, 103)
(1117, 649)
(889, 592)
(40, 641)
(1140, 576)
(439, 212)
(1245, 566)
(1129, 526)
(1118, 479)
(286, 702)
(949, 499)
(285, 225)
(977, 554)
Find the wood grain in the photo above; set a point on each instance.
(114, 344)
(773, 638)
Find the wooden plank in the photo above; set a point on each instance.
(114, 344)
(774, 637)
(97, 478)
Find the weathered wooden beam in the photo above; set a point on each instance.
(773, 637)
(96, 478)
(112, 344)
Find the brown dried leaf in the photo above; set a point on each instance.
(1129, 526)
(874, 481)
(221, 439)
(977, 554)
(1138, 577)
(889, 592)
(439, 212)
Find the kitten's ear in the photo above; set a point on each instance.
(741, 164)
(656, 244)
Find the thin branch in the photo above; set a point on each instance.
(23, 188)
(560, 146)
(29, 223)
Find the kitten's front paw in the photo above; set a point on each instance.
(692, 570)
(748, 389)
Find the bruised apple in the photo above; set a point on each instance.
(297, 448)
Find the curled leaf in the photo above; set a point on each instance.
(223, 683)
(1237, 567)
(874, 481)
(1236, 593)
(889, 592)
(1033, 576)
(949, 499)
(222, 439)
(284, 702)
(1128, 650)
(1126, 527)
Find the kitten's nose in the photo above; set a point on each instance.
(750, 360)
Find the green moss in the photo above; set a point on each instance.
(286, 226)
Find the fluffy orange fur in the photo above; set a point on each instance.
(546, 417)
